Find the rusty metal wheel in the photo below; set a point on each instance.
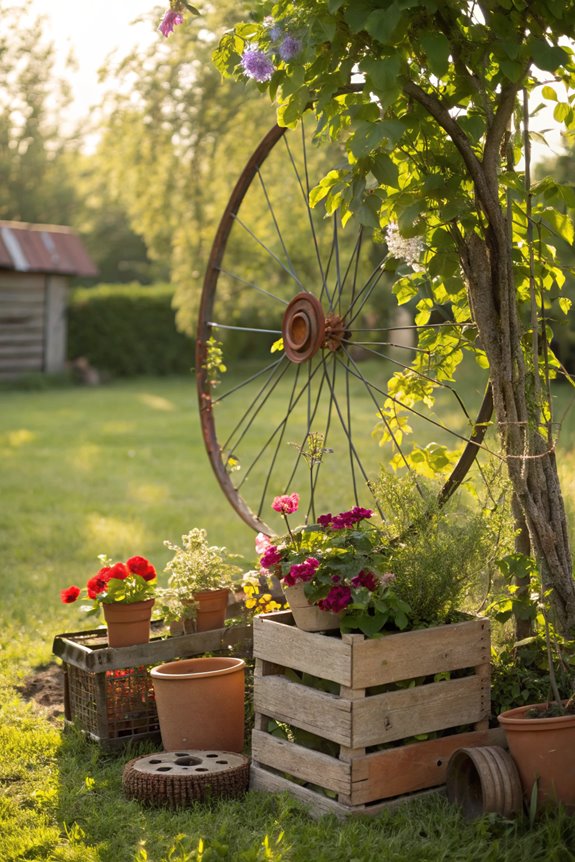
(300, 415)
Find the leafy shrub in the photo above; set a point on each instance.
(439, 554)
(126, 330)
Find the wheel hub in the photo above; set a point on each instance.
(306, 329)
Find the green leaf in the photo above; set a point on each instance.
(565, 304)
(549, 93)
(368, 213)
(334, 5)
(382, 23)
(383, 73)
(561, 111)
(385, 170)
(437, 49)
(548, 57)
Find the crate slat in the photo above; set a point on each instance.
(422, 709)
(420, 653)
(401, 770)
(315, 711)
(303, 763)
(275, 642)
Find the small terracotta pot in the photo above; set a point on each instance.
(128, 624)
(308, 617)
(544, 751)
(211, 609)
(200, 703)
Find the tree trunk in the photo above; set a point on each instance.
(530, 459)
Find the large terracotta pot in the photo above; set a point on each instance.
(544, 751)
(308, 617)
(128, 624)
(211, 609)
(200, 703)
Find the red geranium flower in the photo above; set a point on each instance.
(141, 566)
(119, 571)
(98, 583)
(70, 594)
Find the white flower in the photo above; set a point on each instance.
(408, 249)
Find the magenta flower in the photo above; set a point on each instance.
(271, 558)
(257, 65)
(336, 600)
(345, 519)
(301, 571)
(365, 579)
(289, 47)
(170, 20)
(287, 504)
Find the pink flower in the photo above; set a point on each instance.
(301, 572)
(365, 579)
(387, 578)
(262, 543)
(287, 504)
(170, 20)
(336, 600)
(271, 558)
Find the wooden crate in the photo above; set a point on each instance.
(350, 710)
(108, 692)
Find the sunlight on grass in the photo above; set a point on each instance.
(148, 492)
(19, 437)
(113, 533)
(85, 458)
(157, 402)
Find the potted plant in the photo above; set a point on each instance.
(347, 571)
(125, 592)
(541, 735)
(199, 583)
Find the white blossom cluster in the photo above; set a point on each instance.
(408, 249)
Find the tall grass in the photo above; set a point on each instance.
(119, 469)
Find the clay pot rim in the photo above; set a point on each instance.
(515, 719)
(162, 671)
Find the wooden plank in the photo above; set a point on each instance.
(22, 335)
(20, 281)
(302, 763)
(317, 654)
(378, 661)
(103, 658)
(19, 364)
(402, 770)
(318, 805)
(13, 315)
(23, 350)
(56, 325)
(326, 715)
(401, 714)
(22, 296)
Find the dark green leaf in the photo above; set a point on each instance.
(381, 24)
(385, 170)
(548, 57)
(437, 48)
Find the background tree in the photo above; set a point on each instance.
(431, 103)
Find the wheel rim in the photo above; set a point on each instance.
(321, 340)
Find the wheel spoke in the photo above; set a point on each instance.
(216, 325)
(252, 285)
(247, 381)
(276, 225)
(255, 400)
(269, 251)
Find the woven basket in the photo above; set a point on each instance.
(178, 778)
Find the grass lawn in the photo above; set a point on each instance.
(118, 470)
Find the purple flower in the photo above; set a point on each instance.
(271, 558)
(336, 600)
(324, 520)
(257, 65)
(301, 571)
(289, 48)
(169, 21)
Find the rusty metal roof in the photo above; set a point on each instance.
(43, 248)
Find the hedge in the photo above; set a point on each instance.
(126, 330)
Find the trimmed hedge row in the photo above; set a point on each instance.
(127, 330)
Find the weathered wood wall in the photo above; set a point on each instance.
(32, 323)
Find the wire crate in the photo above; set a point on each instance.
(108, 693)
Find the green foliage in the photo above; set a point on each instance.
(195, 567)
(440, 555)
(126, 330)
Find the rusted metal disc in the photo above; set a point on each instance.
(303, 327)
(178, 778)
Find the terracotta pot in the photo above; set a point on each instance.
(200, 703)
(308, 617)
(211, 608)
(544, 751)
(128, 624)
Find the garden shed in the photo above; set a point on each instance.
(36, 263)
